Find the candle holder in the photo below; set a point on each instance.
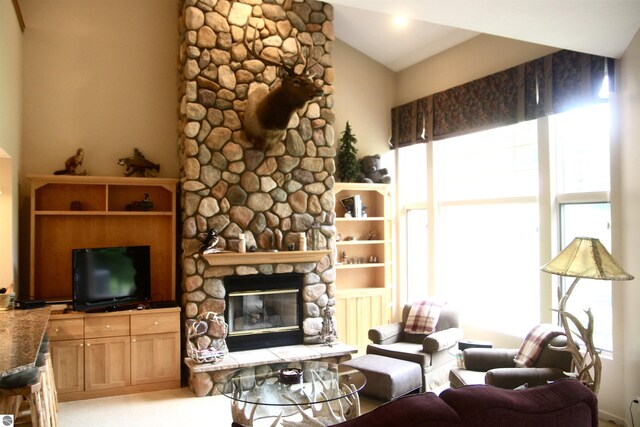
(289, 376)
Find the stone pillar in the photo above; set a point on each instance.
(227, 183)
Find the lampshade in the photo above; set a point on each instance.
(588, 258)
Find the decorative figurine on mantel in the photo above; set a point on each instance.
(143, 205)
(138, 165)
(210, 242)
(72, 164)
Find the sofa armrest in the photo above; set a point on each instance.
(484, 359)
(515, 377)
(386, 334)
(441, 340)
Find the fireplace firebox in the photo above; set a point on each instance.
(263, 310)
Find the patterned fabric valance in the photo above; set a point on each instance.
(552, 84)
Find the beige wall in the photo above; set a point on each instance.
(626, 230)
(364, 97)
(100, 75)
(10, 124)
(478, 57)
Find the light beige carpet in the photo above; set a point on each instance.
(178, 407)
(170, 408)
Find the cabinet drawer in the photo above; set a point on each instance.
(108, 326)
(155, 323)
(65, 329)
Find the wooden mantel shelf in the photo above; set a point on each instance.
(235, 258)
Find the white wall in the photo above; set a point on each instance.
(626, 231)
(10, 125)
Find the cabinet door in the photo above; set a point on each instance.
(357, 311)
(107, 363)
(68, 365)
(155, 358)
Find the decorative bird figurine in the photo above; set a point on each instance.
(138, 165)
(210, 242)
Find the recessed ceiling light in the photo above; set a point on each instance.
(400, 21)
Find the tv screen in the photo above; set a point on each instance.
(108, 278)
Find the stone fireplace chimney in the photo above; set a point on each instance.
(231, 186)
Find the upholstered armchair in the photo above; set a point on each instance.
(435, 353)
(496, 366)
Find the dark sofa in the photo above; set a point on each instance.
(560, 404)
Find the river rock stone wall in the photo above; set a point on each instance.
(229, 185)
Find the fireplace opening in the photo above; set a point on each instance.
(263, 311)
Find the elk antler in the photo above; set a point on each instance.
(289, 69)
(252, 51)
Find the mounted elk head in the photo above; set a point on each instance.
(268, 112)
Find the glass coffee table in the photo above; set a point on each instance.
(306, 393)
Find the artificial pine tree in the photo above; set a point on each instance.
(348, 166)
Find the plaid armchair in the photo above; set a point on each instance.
(496, 366)
(431, 352)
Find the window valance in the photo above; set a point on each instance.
(552, 84)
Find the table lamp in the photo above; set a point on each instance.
(585, 257)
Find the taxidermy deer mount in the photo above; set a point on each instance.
(268, 111)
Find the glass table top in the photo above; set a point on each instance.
(290, 384)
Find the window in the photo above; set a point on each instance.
(414, 221)
(591, 220)
(582, 149)
(481, 215)
(487, 243)
(583, 183)
(417, 232)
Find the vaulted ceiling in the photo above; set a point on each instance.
(601, 27)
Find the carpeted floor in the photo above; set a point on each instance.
(167, 408)
(156, 409)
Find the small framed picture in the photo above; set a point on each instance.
(349, 203)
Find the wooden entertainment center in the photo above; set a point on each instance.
(105, 354)
(102, 354)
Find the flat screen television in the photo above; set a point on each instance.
(110, 278)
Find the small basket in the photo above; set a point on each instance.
(214, 326)
(204, 355)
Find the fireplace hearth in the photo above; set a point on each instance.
(263, 311)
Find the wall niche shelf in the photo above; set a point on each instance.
(363, 288)
(71, 212)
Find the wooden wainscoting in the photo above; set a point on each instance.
(358, 310)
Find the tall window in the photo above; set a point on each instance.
(414, 221)
(487, 229)
(484, 216)
(417, 253)
(583, 183)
